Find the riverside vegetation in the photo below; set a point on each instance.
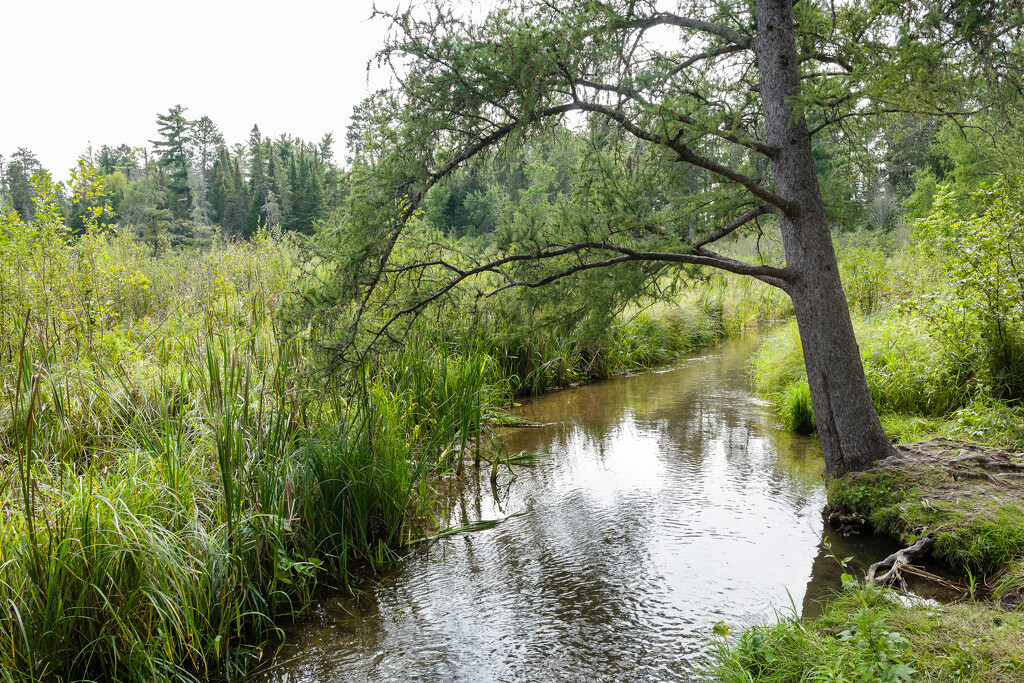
(177, 478)
(941, 330)
(180, 471)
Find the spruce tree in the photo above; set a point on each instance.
(257, 182)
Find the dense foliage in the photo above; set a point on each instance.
(177, 477)
(188, 181)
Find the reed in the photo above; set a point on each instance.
(176, 481)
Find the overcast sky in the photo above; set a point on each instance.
(99, 71)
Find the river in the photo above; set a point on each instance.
(659, 505)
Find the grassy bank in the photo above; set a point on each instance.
(867, 635)
(941, 334)
(176, 476)
(935, 365)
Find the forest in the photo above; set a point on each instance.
(237, 374)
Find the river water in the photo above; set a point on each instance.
(659, 505)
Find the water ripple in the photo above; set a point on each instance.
(669, 501)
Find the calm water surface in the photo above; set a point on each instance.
(660, 504)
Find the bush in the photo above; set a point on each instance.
(982, 257)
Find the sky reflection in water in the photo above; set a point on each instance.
(661, 504)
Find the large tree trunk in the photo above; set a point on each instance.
(852, 437)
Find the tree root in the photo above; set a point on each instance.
(899, 561)
(935, 578)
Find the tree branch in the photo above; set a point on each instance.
(750, 143)
(888, 110)
(732, 227)
(829, 59)
(685, 154)
(711, 28)
(779, 277)
(709, 54)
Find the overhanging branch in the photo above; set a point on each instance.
(708, 27)
(778, 277)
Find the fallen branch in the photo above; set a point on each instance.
(935, 578)
(897, 561)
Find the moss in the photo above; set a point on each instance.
(977, 517)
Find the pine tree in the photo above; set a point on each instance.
(238, 202)
(17, 182)
(257, 182)
(298, 194)
(205, 141)
(173, 158)
(217, 186)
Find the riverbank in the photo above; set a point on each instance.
(968, 502)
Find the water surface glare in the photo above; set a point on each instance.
(661, 504)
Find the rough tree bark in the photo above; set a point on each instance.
(852, 437)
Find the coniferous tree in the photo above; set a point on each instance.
(113, 159)
(205, 141)
(310, 197)
(257, 182)
(240, 205)
(217, 186)
(17, 182)
(298, 193)
(173, 158)
(734, 75)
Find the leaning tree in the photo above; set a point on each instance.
(734, 90)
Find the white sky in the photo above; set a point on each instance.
(99, 71)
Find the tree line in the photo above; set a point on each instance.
(191, 178)
(186, 180)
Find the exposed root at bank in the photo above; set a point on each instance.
(898, 561)
(960, 462)
(961, 503)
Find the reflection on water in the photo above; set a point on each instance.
(661, 504)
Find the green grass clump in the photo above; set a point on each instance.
(795, 408)
(867, 634)
(1009, 585)
(207, 505)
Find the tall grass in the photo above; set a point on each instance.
(205, 504)
(175, 479)
(931, 367)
